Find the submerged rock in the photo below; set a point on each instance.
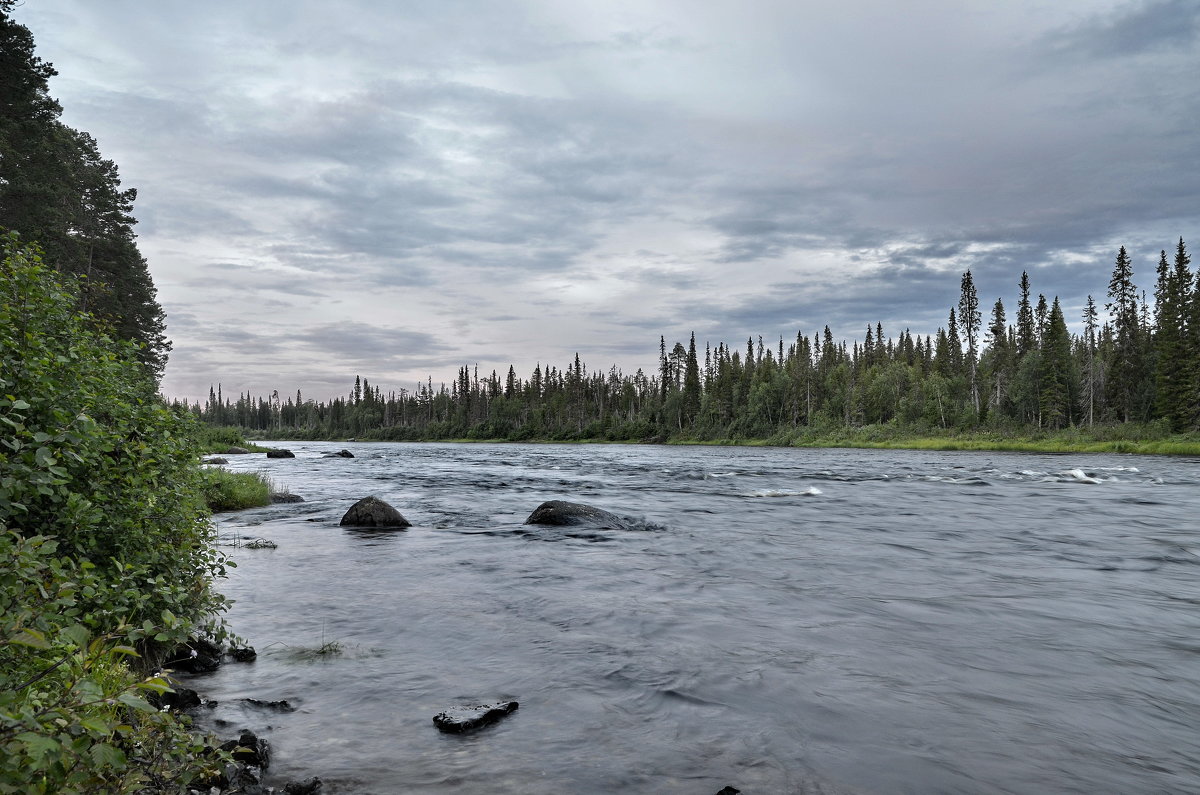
(280, 454)
(276, 706)
(340, 454)
(309, 786)
(558, 513)
(278, 498)
(457, 720)
(373, 512)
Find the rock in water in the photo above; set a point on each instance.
(236, 451)
(373, 512)
(216, 459)
(250, 749)
(340, 454)
(278, 497)
(280, 454)
(559, 513)
(457, 720)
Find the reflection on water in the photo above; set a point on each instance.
(789, 621)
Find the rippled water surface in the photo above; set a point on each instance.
(780, 620)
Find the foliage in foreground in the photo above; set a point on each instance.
(106, 550)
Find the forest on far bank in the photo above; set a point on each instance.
(1137, 371)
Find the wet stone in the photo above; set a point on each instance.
(456, 720)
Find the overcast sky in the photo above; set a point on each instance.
(396, 189)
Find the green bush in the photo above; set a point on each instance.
(106, 550)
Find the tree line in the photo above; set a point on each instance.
(1139, 365)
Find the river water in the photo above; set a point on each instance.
(778, 620)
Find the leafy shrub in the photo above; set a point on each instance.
(106, 550)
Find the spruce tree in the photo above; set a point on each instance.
(1125, 368)
(969, 318)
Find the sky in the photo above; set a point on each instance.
(395, 190)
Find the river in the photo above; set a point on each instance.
(779, 620)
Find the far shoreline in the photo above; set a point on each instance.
(867, 439)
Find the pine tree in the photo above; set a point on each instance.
(1172, 376)
(1125, 368)
(1057, 382)
(969, 317)
(1026, 331)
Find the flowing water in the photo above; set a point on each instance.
(779, 620)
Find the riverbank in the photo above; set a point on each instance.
(1100, 439)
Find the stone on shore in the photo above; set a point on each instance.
(250, 749)
(236, 451)
(373, 512)
(280, 454)
(456, 720)
(216, 459)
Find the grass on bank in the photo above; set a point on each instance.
(232, 491)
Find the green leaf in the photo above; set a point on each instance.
(20, 404)
(37, 745)
(127, 650)
(108, 756)
(77, 634)
(136, 702)
(31, 638)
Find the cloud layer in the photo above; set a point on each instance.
(327, 191)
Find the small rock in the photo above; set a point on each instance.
(261, 543)
(177, 698)
(237, 451)
(280, 454)
(215, 459)
(277, 706)
(247, 654)
(728, 791)
(340, 454)
(278, 498)
(309, 786)
(373, 512)
(457, 720)
(250, 749)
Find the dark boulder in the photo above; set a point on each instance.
(236, 451)
(197, 656)
(243, 654)
(457, 720)
(373, 512)
(340, 454)
(250, 749)
(728, 791)
(280, 454)
(176, 699)
(216, 459)
(558, 513)
(280, 498)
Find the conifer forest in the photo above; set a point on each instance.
(1132, 363)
